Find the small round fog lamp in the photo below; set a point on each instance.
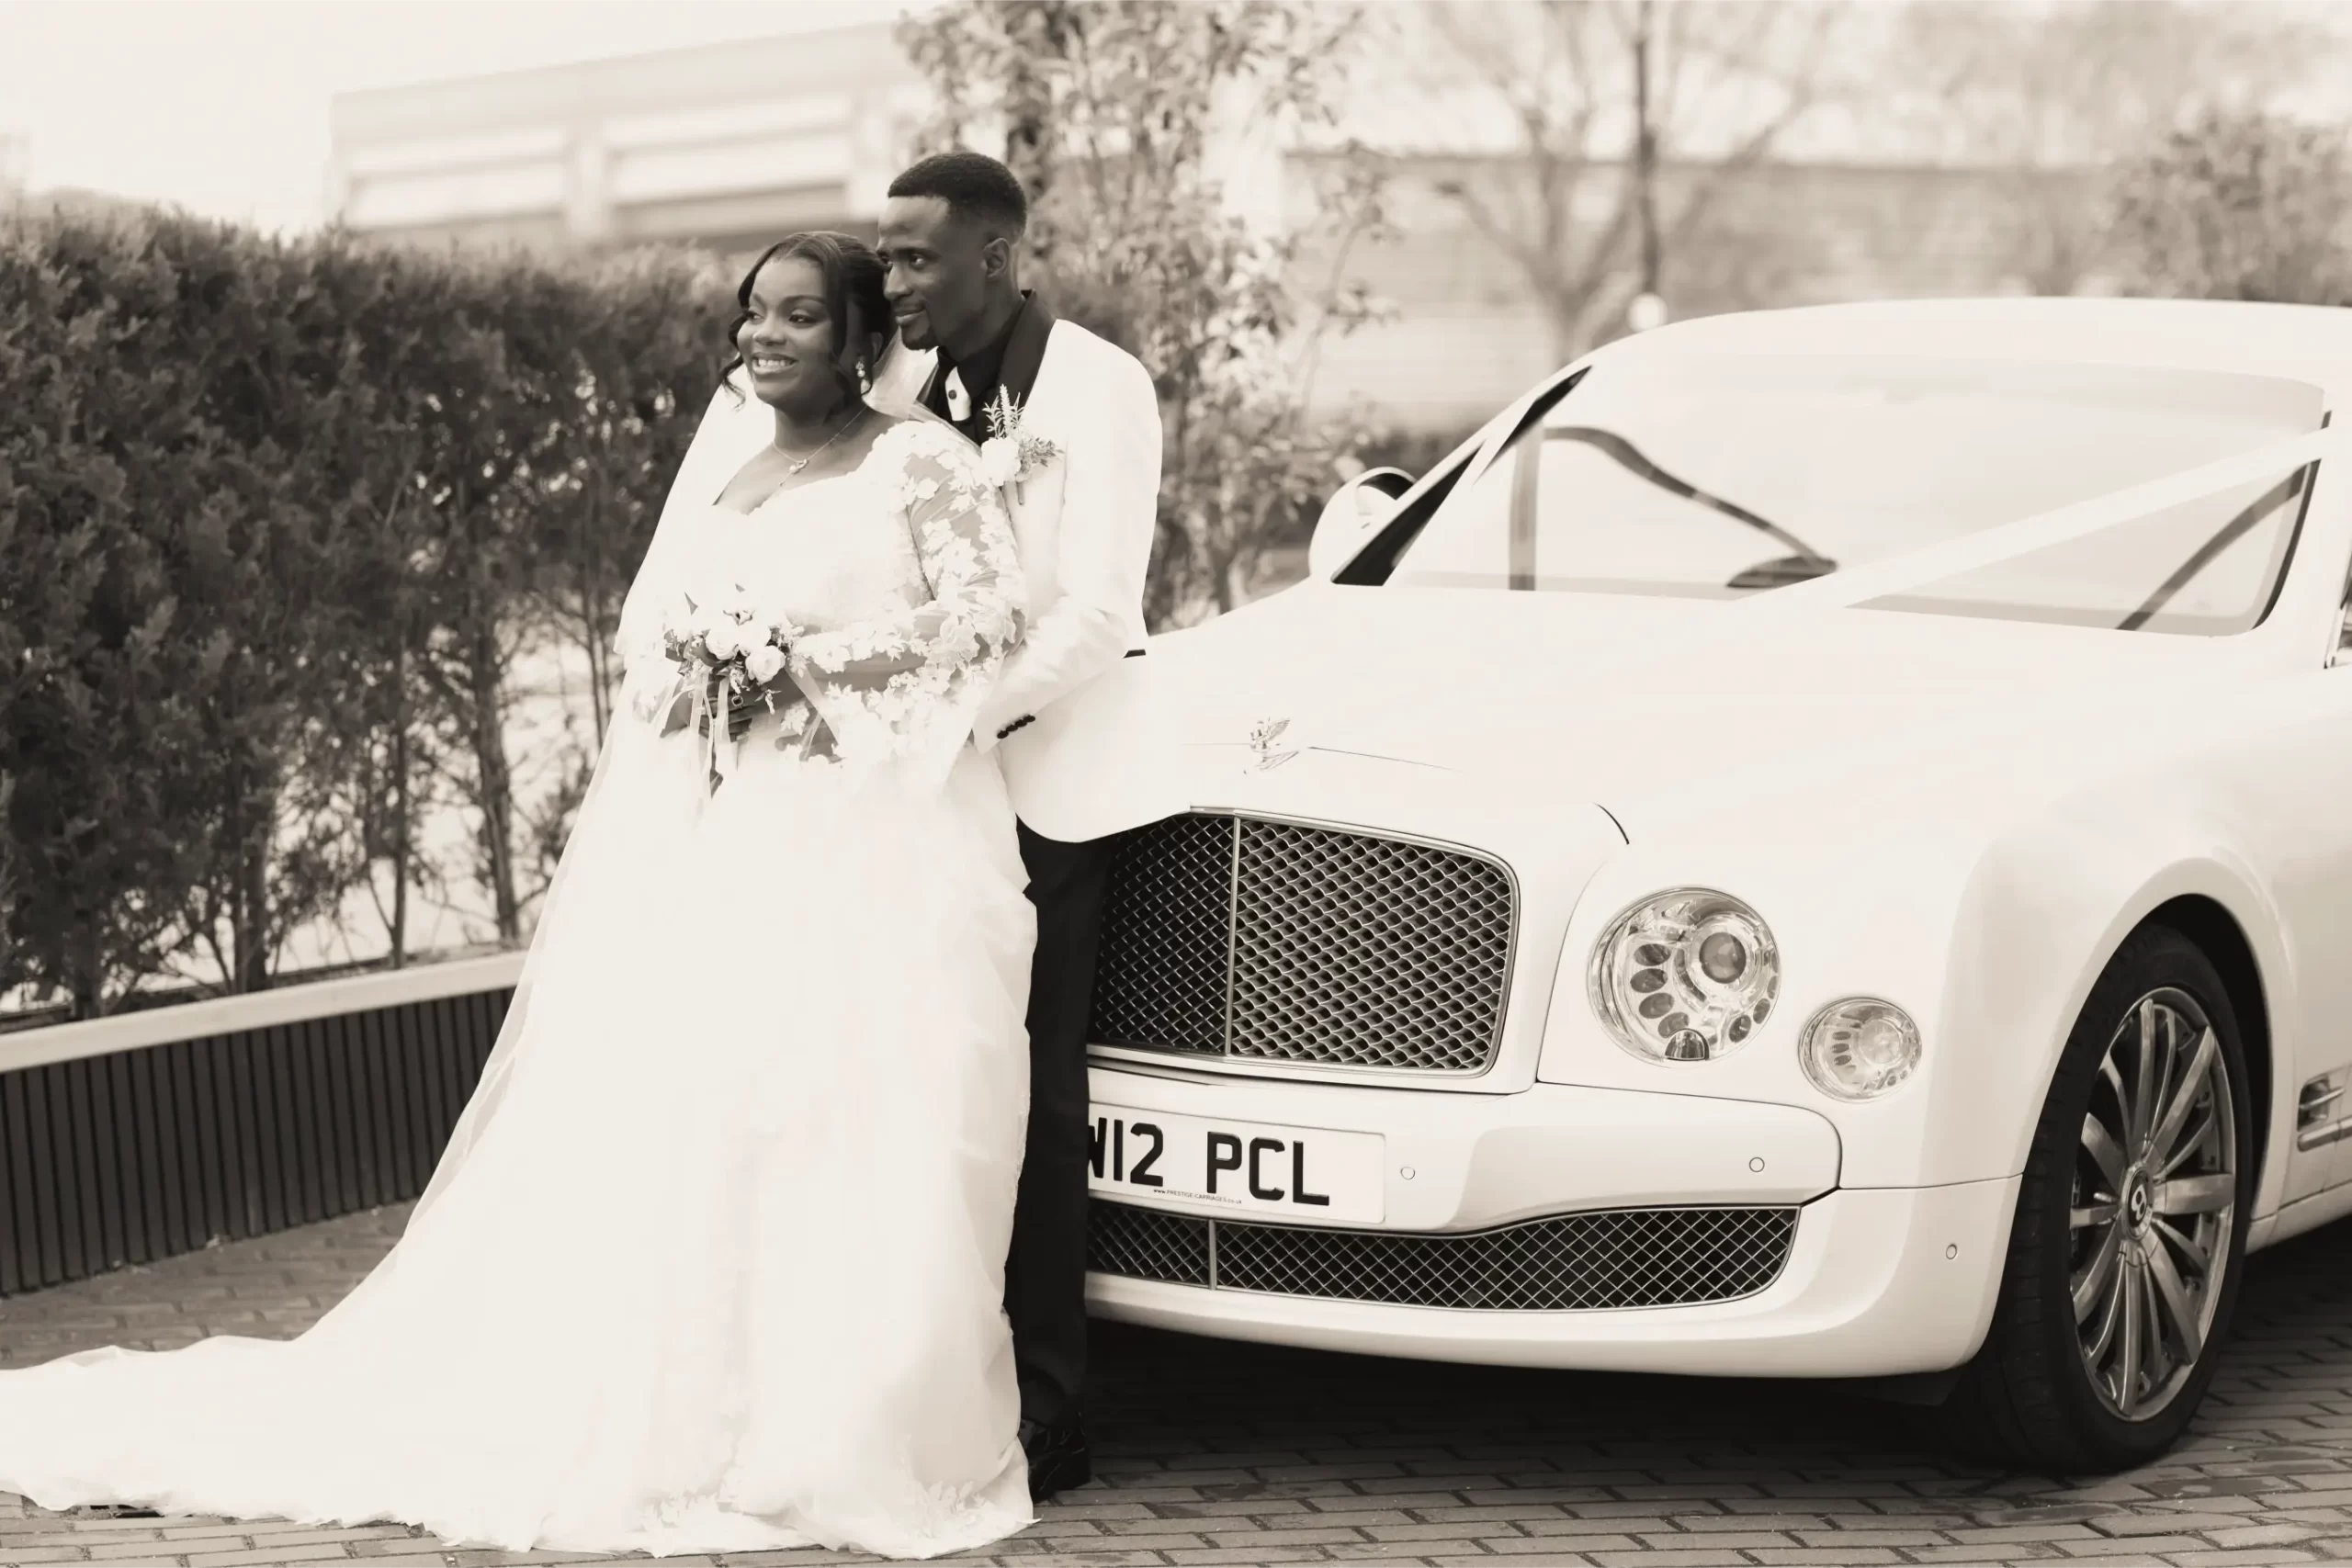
(1860, 1048)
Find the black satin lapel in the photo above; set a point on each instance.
(1024, 352)
(934, 395)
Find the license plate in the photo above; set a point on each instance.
(1300, 1174)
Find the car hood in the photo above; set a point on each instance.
(1635, 704)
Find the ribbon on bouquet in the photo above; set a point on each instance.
(720, 750)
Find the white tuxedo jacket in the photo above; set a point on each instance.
(1084, 525)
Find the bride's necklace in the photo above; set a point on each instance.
(795, 464)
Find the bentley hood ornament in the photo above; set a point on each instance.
(1262, 736)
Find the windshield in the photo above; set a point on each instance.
(1713, 476)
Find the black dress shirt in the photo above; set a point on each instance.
(981, 374)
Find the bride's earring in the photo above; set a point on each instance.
(864, 385)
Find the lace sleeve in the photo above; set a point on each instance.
(904, 687)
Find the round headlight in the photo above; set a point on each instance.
(1685, 977)
(1860, 1048)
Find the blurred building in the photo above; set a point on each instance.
(16, 156)
(68, 201)
(1467, 333)
(727, 145)
(730, 145)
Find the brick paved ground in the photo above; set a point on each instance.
(1215, 1453)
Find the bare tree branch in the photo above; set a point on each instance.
(1564, 71)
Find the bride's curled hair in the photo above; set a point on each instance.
(853, 297)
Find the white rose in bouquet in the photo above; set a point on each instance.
(724, 640)
(764, 662)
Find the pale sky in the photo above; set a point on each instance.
(222, 105)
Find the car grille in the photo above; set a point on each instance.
(1617, 1258)
(1243, 938)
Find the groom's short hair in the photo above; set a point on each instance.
(973, 185)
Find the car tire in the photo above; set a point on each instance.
(2063, 1387)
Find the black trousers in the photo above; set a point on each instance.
(1045, 1277)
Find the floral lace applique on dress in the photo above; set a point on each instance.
(905, 687)
(898, 637)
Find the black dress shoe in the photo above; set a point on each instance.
(1057, 1458)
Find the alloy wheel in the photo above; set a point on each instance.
(2154, 1201)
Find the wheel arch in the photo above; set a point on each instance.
(2207, 922)
(2030, 945)
(2023, 1397)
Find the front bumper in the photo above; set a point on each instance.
(1877, 1281)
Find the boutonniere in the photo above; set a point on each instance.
(1011, 453)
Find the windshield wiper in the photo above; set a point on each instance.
(1803, 558)
(2206, 553)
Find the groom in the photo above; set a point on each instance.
(950, 237)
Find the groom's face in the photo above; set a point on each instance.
(940, 267)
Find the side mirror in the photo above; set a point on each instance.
(1352, 517)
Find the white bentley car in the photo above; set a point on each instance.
(1817, 844)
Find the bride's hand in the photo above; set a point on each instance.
(779, 695)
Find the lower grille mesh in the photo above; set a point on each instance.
(1617, 1258)
(1147, 1243)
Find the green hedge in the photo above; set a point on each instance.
(277, 518)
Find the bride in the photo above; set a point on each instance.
(714, 1260)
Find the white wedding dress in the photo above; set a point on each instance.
(714, 1259)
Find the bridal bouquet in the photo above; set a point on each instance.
(729, 651)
